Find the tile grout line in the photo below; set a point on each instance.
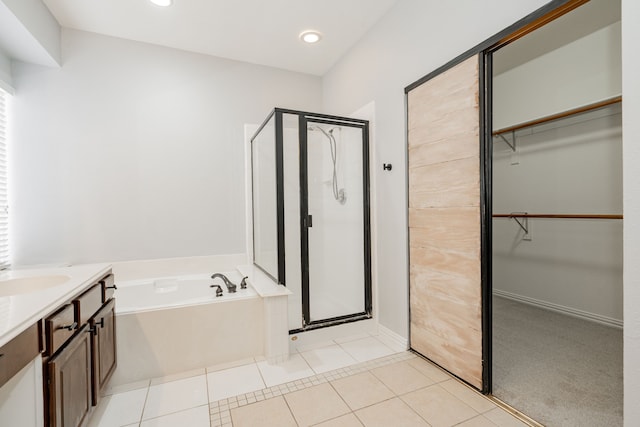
(206, 382)
(220, 411)
(144, 405)
(292, 386)
(172, 413)
(286, 402)
(369, 369)
(342, 398)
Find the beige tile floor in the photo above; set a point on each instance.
(398, 390)
(336, 384)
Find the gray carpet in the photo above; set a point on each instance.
(557, 369)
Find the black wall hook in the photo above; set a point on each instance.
(387, 166)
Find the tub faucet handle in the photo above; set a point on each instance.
(243, 284)
(218, 290)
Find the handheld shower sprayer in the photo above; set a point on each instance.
(338, 193)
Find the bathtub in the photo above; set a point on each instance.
(170, 292)
(173, 325)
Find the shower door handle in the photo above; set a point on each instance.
(308, 221)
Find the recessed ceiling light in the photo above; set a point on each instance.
(163, 3)
(310, 37)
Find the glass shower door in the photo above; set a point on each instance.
(335, 222)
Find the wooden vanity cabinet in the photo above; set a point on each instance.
(103, 345)
(69, 374)
(80, 355)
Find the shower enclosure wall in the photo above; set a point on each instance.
(311, 228)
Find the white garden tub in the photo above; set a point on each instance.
(176, 324)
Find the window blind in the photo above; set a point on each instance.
(4, 202)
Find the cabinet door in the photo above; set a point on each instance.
(103, 340)
(70, 382)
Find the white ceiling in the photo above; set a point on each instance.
(255, 31)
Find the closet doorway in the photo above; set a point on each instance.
(556, 190)
(516, 271)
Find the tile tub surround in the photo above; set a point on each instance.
(355, 395)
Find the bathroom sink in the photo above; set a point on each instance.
(26, 285)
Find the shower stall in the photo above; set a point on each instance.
(311, 226)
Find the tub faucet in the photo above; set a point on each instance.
(231, 288)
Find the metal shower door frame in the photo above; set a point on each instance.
(304, 120)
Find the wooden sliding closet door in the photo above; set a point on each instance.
(444, 220)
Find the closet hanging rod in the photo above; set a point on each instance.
(560, 216)
(561, 115)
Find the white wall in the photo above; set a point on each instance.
(573, 166)
(29, 32)
(6, 82)
(406, 44)
(582, 72)
(399, 50)
(133, 151)
(631, 182)
(413, 39)
(35, 15)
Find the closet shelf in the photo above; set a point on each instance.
(561, 216)
(561, 115)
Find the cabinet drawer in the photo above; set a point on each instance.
(59, 327)
(18, 352)
(108, 288)
(88, 303)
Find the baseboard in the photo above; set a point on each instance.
(609, 321)
(395, 341)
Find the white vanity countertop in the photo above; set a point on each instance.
(18, 312)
